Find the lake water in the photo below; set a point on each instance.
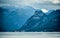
(29, 34)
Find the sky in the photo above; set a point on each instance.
(37, 4)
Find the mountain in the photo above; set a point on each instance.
(14, 17)
(42, 22)
(26, 18)
(33, 21)
(54, 21)
(50, 11)
(52, 24)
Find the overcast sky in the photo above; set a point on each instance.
(53, 4)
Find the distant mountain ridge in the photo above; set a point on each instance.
(14, 17)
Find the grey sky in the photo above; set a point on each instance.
(38, 4)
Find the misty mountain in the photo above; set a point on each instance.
(28, 19)
(14, 17)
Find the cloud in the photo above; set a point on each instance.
(44, 10)
(34, 3)
(28, 2)
(55, 1)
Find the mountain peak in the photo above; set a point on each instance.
(38, 12)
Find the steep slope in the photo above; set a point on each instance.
(42, 22)
(33, 21)
(14, 17)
